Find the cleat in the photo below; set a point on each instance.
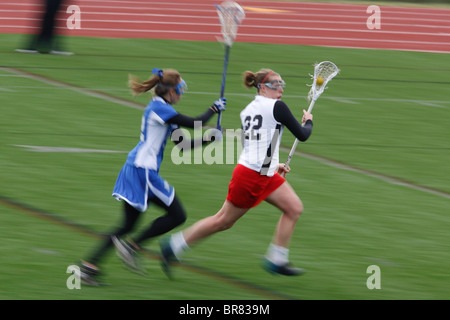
(27, 51)
(167, 256)
(128, 255)
(61, 53)
(286, 270)
(89, 276)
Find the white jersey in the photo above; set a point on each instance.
(261, 136)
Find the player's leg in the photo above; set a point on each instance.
(131, 216)
(277, 258)
(90, 266)
(128, 249)
(222, 220)
(285, 199)
(175, 216)
(172, 248)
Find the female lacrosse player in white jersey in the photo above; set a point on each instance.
(256, 177)
(139, 182)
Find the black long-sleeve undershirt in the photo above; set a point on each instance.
(283, 114)
(189, 122)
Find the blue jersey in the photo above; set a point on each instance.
(155, 130)
(139, 179)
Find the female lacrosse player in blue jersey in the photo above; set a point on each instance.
(257, 176)
(139, 182)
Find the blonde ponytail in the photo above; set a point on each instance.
(138, 86)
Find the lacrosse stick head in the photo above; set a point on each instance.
(326, 70)
(231, 15)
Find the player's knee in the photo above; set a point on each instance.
(181, 217)
(178, 218)
(222, 224)
(177, 212)
(295, 210)
(225, 226)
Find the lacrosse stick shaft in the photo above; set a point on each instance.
(224, 77)
(230, 16)
(225, 67)
(294, 146)
(311, 105)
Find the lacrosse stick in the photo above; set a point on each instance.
(231, 15)
(325, 70)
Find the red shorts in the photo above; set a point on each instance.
(248, 188)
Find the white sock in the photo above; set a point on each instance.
(178, 244)
(277, 254)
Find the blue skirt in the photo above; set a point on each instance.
(137, 185)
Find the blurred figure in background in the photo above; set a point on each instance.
(44, 41)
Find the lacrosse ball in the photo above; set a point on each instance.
(319, 81)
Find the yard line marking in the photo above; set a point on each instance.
(84, 91)
(63, 149)
(346, 100)
(379, 176)
(7, 90)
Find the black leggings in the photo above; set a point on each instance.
(175, 216)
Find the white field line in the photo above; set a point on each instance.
(84, 91)
(64, 149)
(345, 100)
(390, 180)
(335, 164)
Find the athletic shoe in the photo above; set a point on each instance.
(35, 51)
(61, 53)
(167, 256)
(286, 269)
(90, 276)
(27, 51)
(128, 255)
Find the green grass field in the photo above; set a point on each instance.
(374, 176)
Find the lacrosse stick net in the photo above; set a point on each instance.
(327, 70)
(231, 15)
